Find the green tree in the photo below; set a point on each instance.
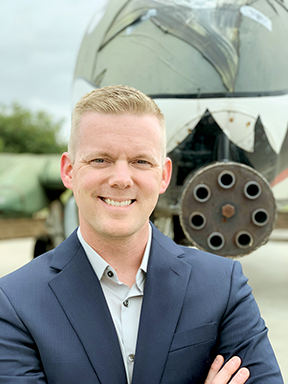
(24, 131)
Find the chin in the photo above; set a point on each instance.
(120, 230)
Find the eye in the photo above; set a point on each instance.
(142, 163)
(98, 161)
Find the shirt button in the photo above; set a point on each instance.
(127, 303)
(110, 273)
(131, 358)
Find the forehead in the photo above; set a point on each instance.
(119, 123)
(127, 129)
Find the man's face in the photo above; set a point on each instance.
(118, 173)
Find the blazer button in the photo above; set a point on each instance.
(131, 358)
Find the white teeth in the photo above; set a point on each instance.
(118, 203)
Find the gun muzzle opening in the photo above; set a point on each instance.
(197, 220)
(260, 217)
(226, 179)
(202, 193)
(216, 241)
(252, 190)
(244, 239)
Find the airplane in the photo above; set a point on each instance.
(29, 183)
(218, 71)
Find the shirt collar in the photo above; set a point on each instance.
(99, 264)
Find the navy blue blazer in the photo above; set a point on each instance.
(56, 328)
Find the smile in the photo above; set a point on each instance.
(117, 203)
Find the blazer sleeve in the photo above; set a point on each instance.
(243, 333)
(19, 359)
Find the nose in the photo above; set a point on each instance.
(121, 175)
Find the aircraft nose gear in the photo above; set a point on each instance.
(227, 208)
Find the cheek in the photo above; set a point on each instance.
(81, 191)
(152, 186)
(85, 181)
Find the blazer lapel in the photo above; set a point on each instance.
(79, 293)
(165, 287)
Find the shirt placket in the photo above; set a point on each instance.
(131, 308)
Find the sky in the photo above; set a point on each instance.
(39, 42)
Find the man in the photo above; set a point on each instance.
(80, 313)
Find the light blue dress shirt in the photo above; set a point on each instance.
(124, 303)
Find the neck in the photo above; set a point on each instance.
(123, 254)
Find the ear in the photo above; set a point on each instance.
(66, 170)
(166, 175)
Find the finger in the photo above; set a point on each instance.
(227, 371)
(241, 377)
(215, 368)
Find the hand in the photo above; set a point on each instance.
(218, 375)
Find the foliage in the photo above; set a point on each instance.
(24, 131)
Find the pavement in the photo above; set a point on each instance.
(266, 268)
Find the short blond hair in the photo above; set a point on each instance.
(117, 100)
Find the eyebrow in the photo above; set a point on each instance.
(141, 155)
(97, 154)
